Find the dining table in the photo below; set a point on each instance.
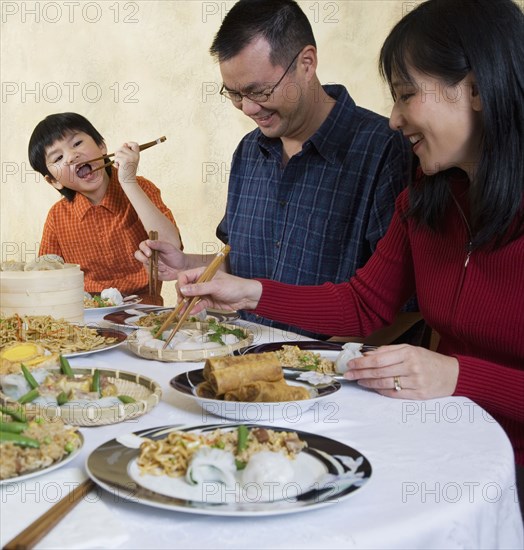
(442, 475)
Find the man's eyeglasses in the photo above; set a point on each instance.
(257, 97)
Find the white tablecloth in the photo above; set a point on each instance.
(443, 477)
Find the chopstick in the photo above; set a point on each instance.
(153, 266)
(41, 526)
(207, 275)
(110, 163)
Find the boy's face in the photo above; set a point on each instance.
(66, 158)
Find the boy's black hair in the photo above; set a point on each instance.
(448, 39)
(51, 129)
(281, 22)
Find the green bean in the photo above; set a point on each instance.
(65, 367)
(29, 396)
(29, 377)
(127, 399)
(95, 384)
(243, 432)
(13, 427)
(62, 398)
(18, 439)
(17, 414)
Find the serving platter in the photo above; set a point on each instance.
(329, 472)
(145, 392)
(128, 319)
(186, 383)
(188, 355)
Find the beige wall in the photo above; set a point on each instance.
(140, 70)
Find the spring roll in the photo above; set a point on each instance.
(228, 379)
(217, 363)
(263, 392)
(205, 390)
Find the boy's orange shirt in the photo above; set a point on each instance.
(102, 238)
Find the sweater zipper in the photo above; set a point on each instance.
(468, 228)
(468, 254)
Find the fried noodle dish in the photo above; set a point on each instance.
(171, 456)
(56, 335)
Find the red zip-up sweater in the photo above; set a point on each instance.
(474, 301)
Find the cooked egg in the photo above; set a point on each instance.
(22, 352)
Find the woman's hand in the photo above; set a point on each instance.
(224, 291)
(416, 372)
(171, 260)
(126, 160)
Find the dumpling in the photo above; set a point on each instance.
(209, 464)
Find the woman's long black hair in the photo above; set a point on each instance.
(448, 39)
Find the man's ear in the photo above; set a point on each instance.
(54, 183)
(309, 60)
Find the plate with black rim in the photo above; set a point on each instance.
(41, 471)
(119, 335)
(187, 382)
(329, 471)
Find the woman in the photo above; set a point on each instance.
(456, 72)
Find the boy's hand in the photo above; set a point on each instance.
(126, 160)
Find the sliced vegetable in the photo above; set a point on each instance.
(95, 384)
(62, 398)
(127, 399)
(242, 433)
(65, 367)
(18, 439)
(240, 464)
(13, 427)
(17, 414)
(29, 377)
(29, 396)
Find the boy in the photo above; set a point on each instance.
(81, 227)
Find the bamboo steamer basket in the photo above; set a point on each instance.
(59, 293)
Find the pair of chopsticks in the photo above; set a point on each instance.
(206, 276)
(111, 162)
(32, 534)
(153, 266)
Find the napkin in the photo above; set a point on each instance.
(90, 524)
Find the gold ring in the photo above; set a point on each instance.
(396, 383)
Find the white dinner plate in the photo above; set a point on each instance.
(186, 384)
(106, 333)
(327, 472)
(58, 464)
(110, 309)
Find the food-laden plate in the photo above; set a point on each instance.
(311, 355)
(109, 309)
(113, 338)
(138, 395)
(57, 336)
(200, 342)
(326, 472)
(186, 383)
(56, 464)
(131, 319)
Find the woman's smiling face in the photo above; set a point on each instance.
(443, 122)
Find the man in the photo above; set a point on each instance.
(312, 189)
